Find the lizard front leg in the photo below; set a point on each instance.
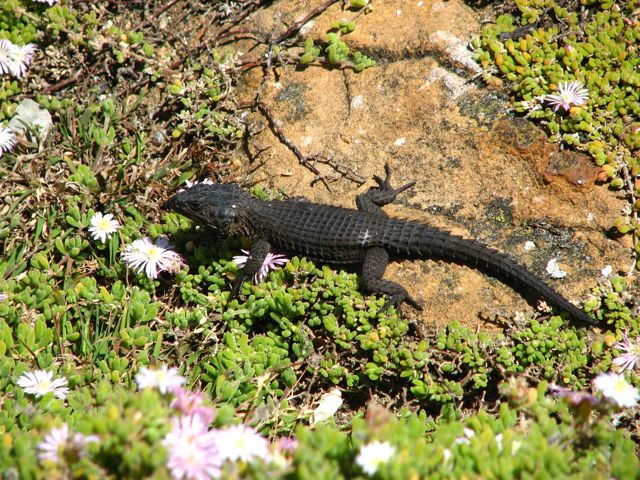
(375, 263)
(376, 197)
(259, 250)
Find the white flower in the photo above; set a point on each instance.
(373, 455)
(103, 226)
(239, 442)
(329, 404)
(446, 455)
(568, 94)
(21, 59)
(6, 61)
(144, 255)
(3, 297)
(271, 262)
(165, 379)
(50, 2)
(41, 382)
(8, 139)
(606, 271)
(192, 450)
(60, 445)
(616, 389)
(468, 434)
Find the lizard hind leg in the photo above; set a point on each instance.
(376, 197)
(375, 263)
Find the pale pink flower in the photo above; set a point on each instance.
(165, 379)
(21, 59)
(568, 95)
(62, 446)
(191, 403)
(239, 442)
(631, 357)
(8, 138)
(41, 382)
(6, 61)
(282, 451)
(145, 256)
(192, 450)
(271, 262)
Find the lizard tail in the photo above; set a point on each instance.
(408, 239)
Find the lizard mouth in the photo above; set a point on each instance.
(168, 205)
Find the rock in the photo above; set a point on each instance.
(574, 167)
(32, 120)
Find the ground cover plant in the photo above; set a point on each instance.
(122, 354)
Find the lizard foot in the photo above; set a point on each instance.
(385, 185)
(397, 300)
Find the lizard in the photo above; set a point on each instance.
(338, 235)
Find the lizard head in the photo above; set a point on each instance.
(213, 206)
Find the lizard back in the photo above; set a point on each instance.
(321, 232)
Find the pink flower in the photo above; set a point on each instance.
(568, 94)
(192, 450)
(191, 403)
(631, 357)
(271, 262)
(282, 451)
(575, 399)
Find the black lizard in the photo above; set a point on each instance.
(342, 236)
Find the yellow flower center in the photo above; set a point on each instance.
(44, 385)
(620, 386)
(153, 253)
(103, 224)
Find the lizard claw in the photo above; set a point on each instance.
(396, 301)
(237, 287)
(385, 184)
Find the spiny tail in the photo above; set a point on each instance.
(414, 240)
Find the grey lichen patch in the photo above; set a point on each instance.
(500, 210)
(293, 95)
(524, 133)
(484, 107)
